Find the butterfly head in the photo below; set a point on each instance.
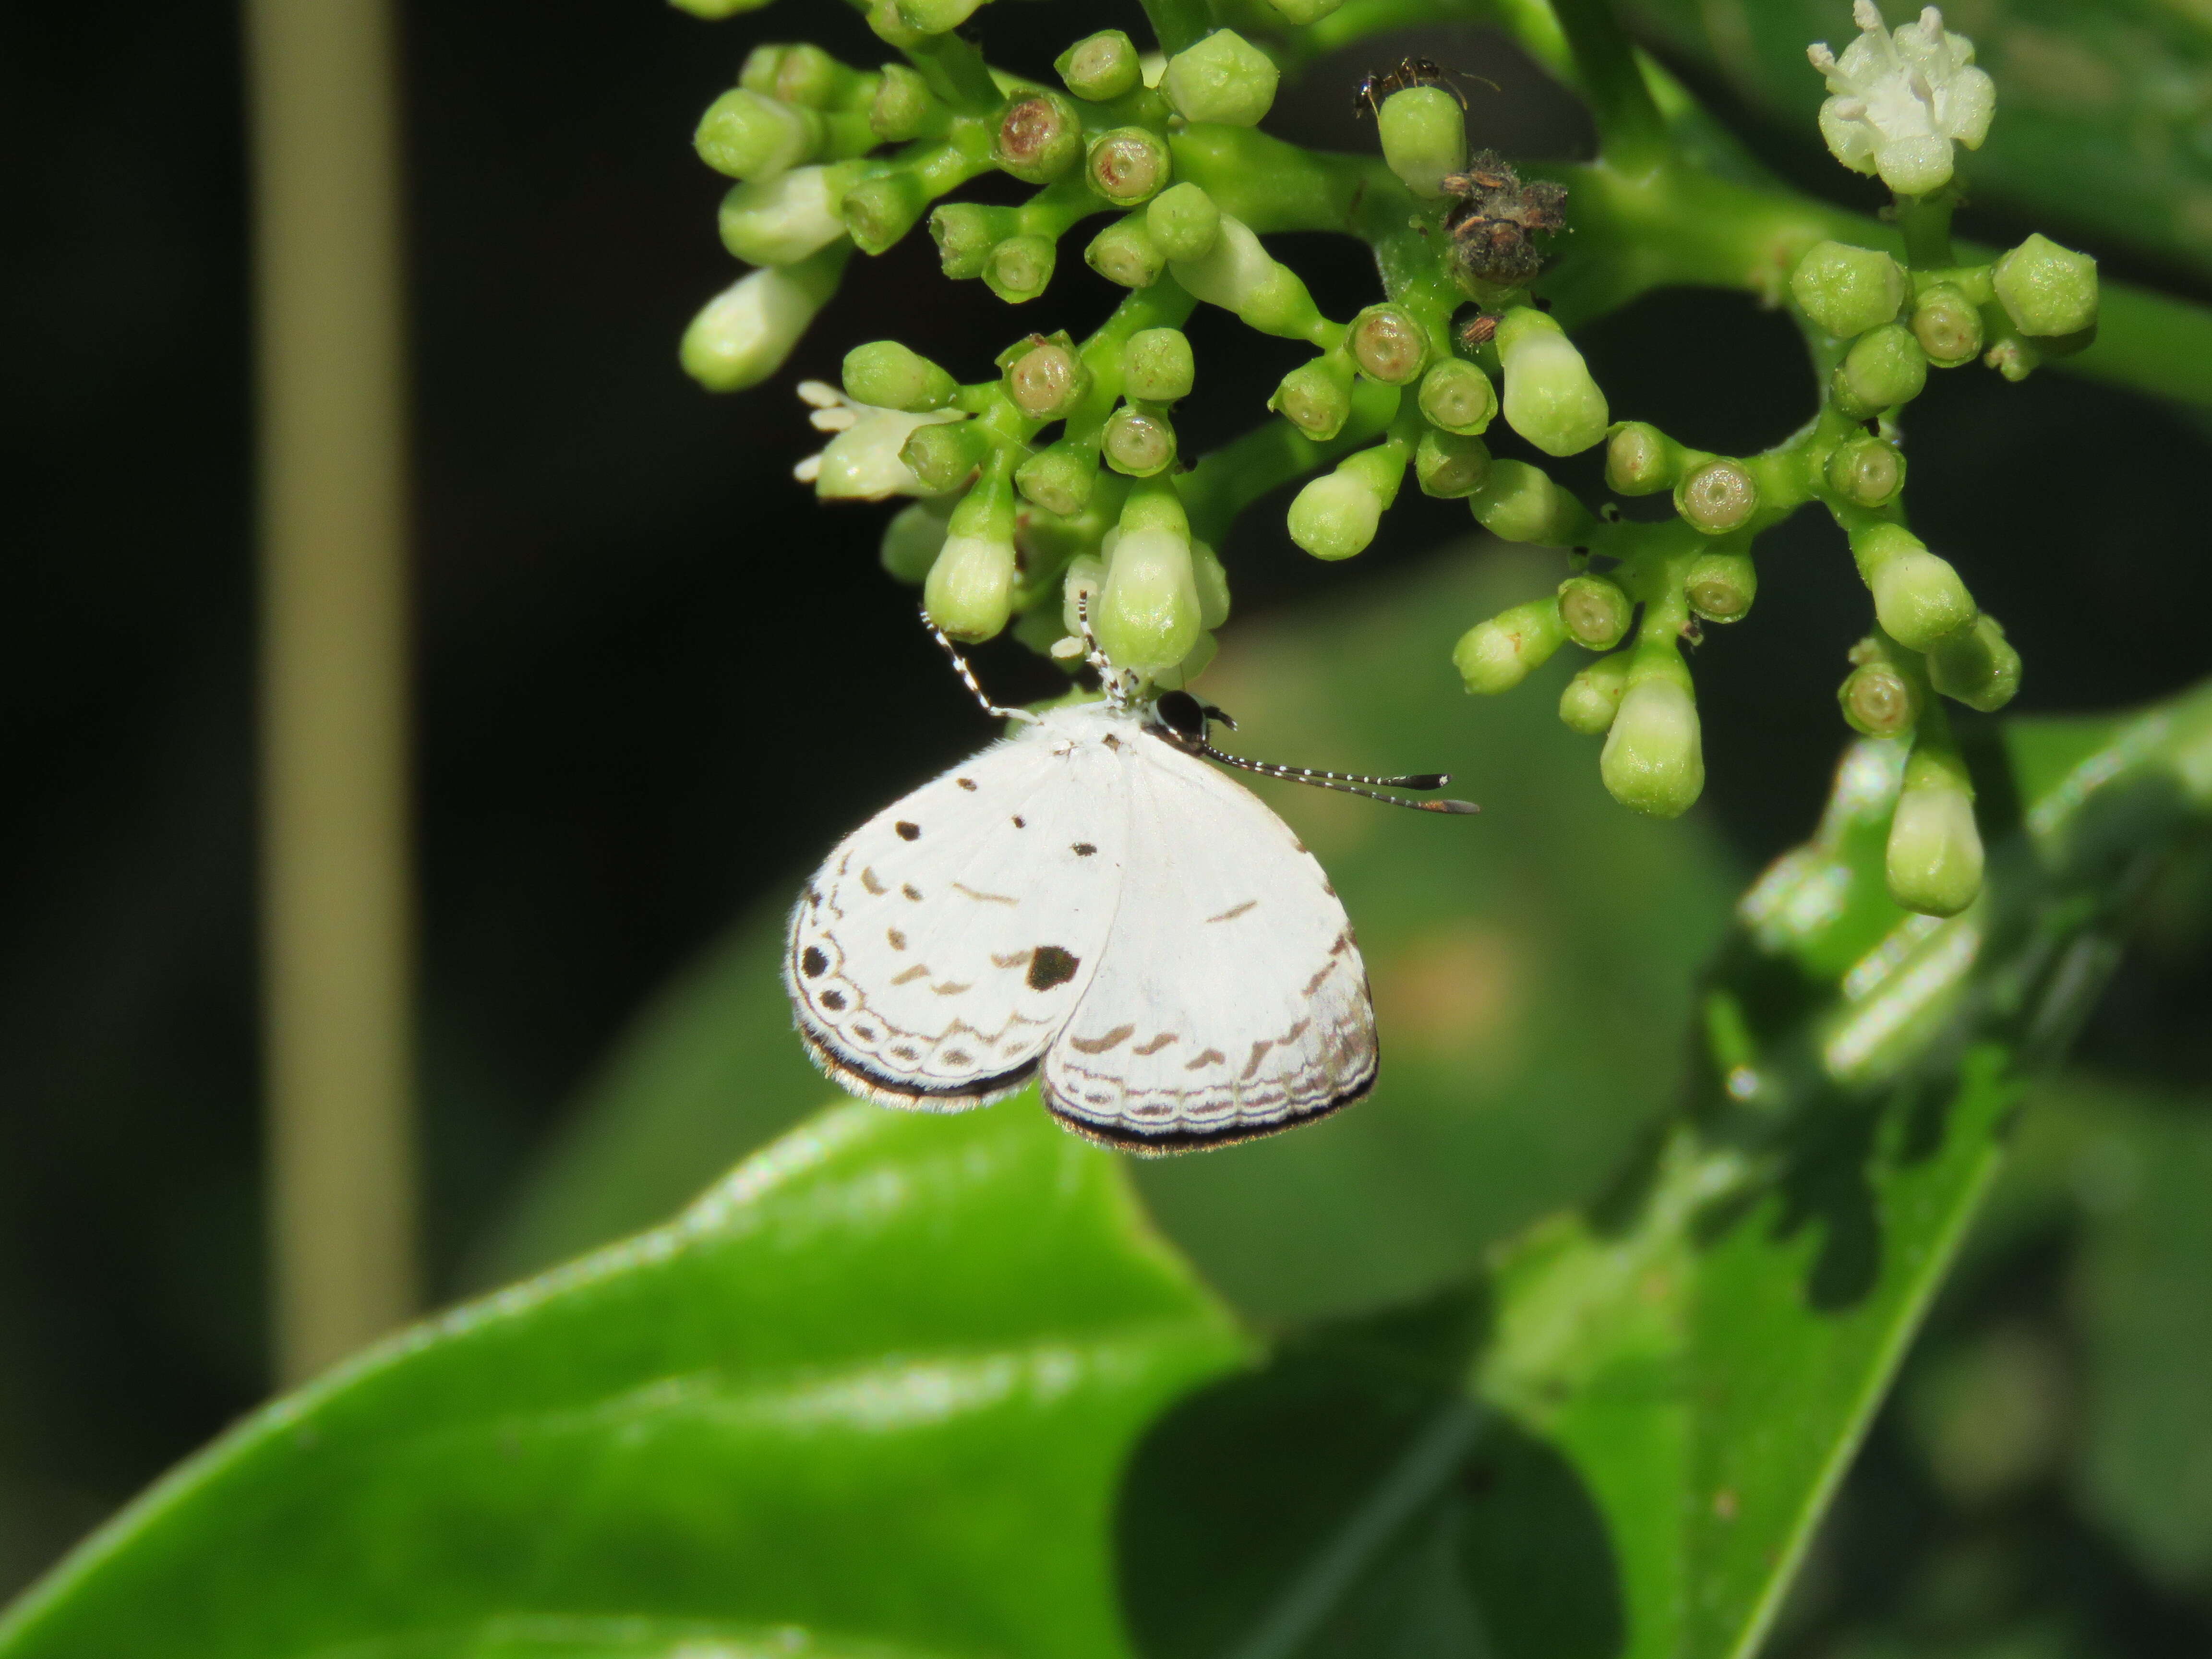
(1185, 721)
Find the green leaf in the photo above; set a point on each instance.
(869, 1399)
(1620, 1441)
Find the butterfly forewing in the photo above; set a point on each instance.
(944, 943)
(1231, 1001)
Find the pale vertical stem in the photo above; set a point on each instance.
(336, 895)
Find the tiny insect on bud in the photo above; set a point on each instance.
(1047, 380)
(1148, 611)
(1040, 137)
(1423, 132)
(1654, 760)
(1223, 78)
(748, 137)
(1935, 855)
(1124, 252)
(2046, 290)
(1127, 165)
(1518, 502)
(1878, 700)
(1641, 460)
(1977, 666)
(1866, 470)
(1184, 221)
(780, 220)
(965, 233)
(903, 108)
(1917, 597)
(1496, 655)
(911, 542)
(879, 210)
(1137, 442)
(1848, 290)
(1596, 609)
(1390, 344)
(744, 334)
(1948, 327)
(942, 456)
(1592, 698)
(1100, 66)
(1720, 584)
(1550, 399)
(1059, 478)
(1716, 497)
(1020, 267)
(1316, 397)
(1884, 368)
(1456, 396)
(1449, 467)
(1156, 366)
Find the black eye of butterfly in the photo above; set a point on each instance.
(1182, 714)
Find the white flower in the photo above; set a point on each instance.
(1901, 100)
(861, 463)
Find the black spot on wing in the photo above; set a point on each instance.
(967, 784)
(1084, 849)
(834, 1002)
(1049, 965)
(907, 831)
(811, 962)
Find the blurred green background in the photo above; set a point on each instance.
(619, 591)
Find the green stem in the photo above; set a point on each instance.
(1629, 130)
(1271, 455)
(1924, 223)
(1177, 24)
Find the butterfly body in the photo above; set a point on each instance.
(1089, 903)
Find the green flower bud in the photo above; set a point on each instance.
(1316, 397)
(1240, 275)
(1878, 700)
(1848, 290)
(1456, 396)
(1334, 516)
(1047, 379)
(1917, 598)
(1148, 613)
(1298, 13)
(1496, 655)
(1127, 165)
(1137, 442)
(1550, 399)
(757, 73)
(749, 137)
(1884, 368)
(1449, 466)
(1125, 252)
(1184, 221)
(1390, 344)
(1976, 665)
(936, 17)
(805, 74)
(1720, 584)
(1935, 856)
(1020, 267)
(1948, 327)
(911, 542)
(1641, 460)
(893, 30)
(1100, 66)
(903, 108)
(1592, 698)
(1059, 478)
(1223, 78)
(1156, 366)
(1596, 612)
(879, 210)
(1653, 761)
(746, 332)
(1040, 137)
(965, 233)
(970, 592)
(942, 456)
(713, 9)
(1079, 590)
(1424, 138)
(1212, 583)
(2046, 290)
(1716, 497)
(1189, 668)
(1866, 470)
(780, 220)
(1518, 502)
(862, 463)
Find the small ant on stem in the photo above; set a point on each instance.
(1379, 84)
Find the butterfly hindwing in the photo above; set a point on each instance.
(943, 945)
(1231, 1001)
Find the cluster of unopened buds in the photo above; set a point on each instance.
(1057, 488)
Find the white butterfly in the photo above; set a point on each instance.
(1088, 901)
